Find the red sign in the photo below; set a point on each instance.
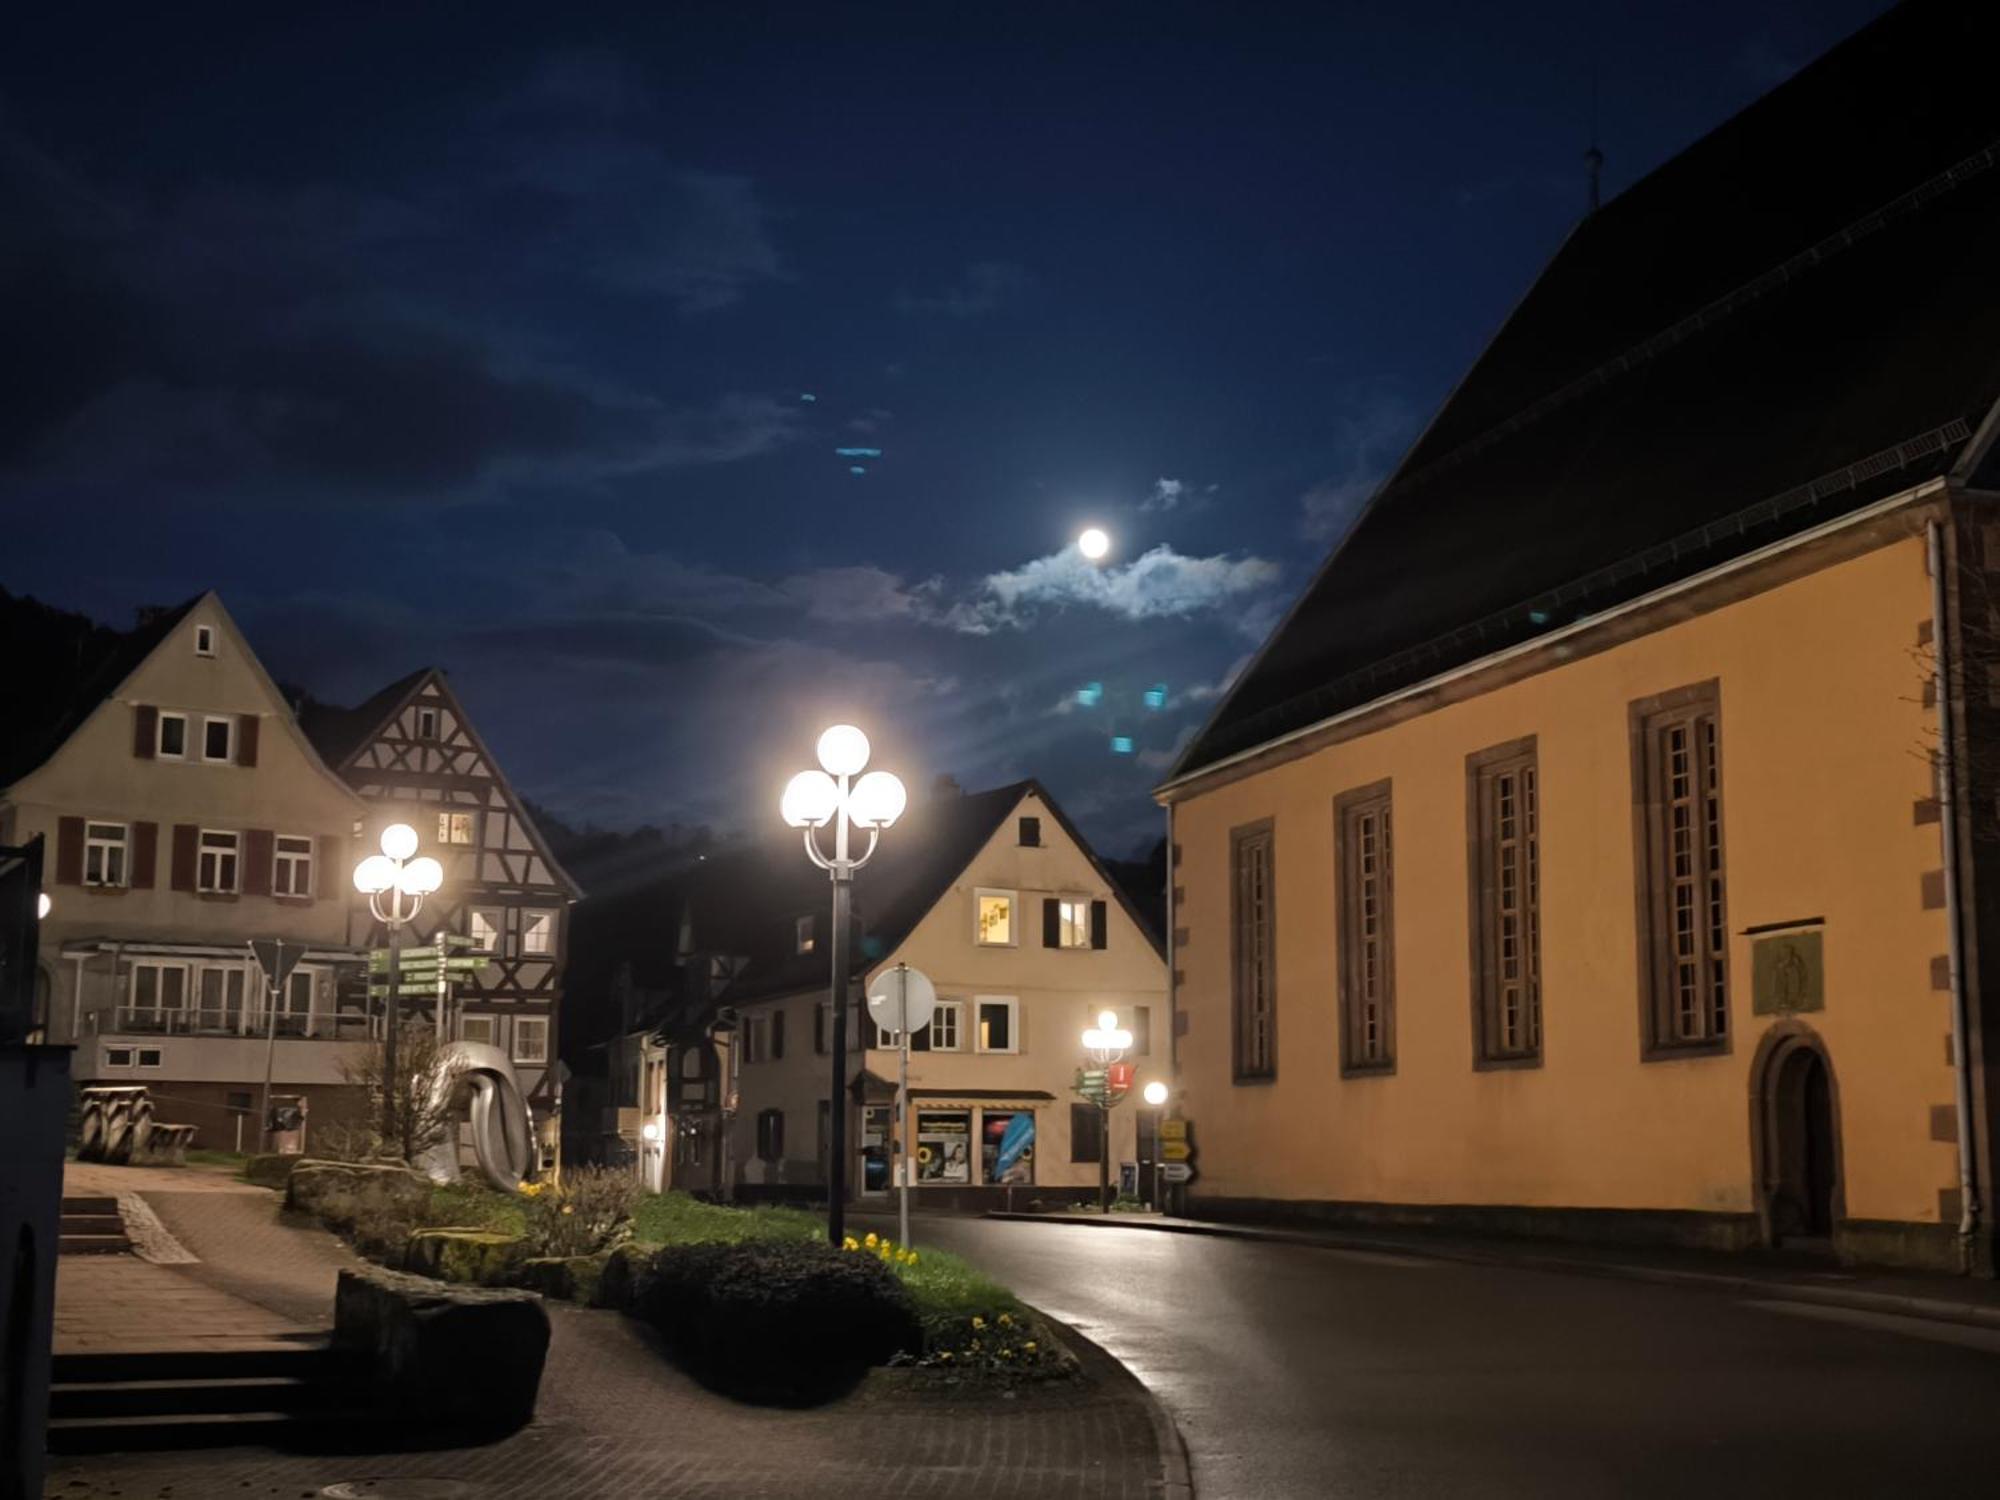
(1119, 1076)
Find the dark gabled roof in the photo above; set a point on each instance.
(337, 733)
(1794, 317)
(64, 668)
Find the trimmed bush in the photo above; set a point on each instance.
(475, 1257)
(627, 1275)
(780, 1321)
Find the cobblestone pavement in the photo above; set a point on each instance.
(616, 1420)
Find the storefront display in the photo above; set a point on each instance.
(1007, 1147)
(944, 1148)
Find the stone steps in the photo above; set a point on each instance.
(147, 1400)
(91, 1225)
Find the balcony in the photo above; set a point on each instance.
(195, 1021)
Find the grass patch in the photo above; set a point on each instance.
(201, 1156)
(950, 1293)
(467, 1205)
(680, 1219)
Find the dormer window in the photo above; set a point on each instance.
(802, 935)
(204, 640)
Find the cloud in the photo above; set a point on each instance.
(1159, 584)
(987, 286)
(1371, 431)
(863, 595)
(1167, 495)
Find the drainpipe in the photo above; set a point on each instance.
(1947, 791)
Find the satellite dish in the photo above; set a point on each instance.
(901, 995)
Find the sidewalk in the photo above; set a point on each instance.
(615, 1419)
(1912, 1294)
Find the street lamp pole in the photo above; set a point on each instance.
(1106, 1043)
(813, 799)
(395, 885)
(1155, 1095)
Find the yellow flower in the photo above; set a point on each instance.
(850, 1243)
(978, 1323)
(871, 1242)
(1029, 1346)
(913, 1257)
(1006, 1353)
(1006, 1321)
(569, 1208)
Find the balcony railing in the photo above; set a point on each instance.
(195, 1021)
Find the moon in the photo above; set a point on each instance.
(1093, 544)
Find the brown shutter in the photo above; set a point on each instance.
(329, 879)
(246, 739)
(145, 730)
(145, 854)
(777, 1035)
(69, 851)
(182, 877)
(1051, 922)
(1098, 912)
(260, 847)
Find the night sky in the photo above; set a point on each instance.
(523, 340)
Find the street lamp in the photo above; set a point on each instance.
(812, 800)
(395, 885)
(1155, 1095)
(1106, 1043)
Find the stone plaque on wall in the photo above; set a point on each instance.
(1787, 974)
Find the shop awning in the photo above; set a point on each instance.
(988, 1099)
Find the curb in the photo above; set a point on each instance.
(1900, 1304)
(1176, 1481)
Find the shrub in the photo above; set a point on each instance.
(589, 1209)
(626, 1279)
(784, 1321)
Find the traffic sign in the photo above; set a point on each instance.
(1173, 1130)
(277, 958)
(1172, 1151)
(1175, 1171)
(904, 1000)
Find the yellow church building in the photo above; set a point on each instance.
(1607, 844)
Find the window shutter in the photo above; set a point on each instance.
(69, 851)
(145, 730)
(777, 1035)
(260, 847)
(246, 739)
(1086, 1133)
(145, 853)
(185, 835)
(871, 1036)
(1099, 912)
(1051, 922)
(328, 879)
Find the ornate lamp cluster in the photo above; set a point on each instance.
(390, 878)
(814, 799)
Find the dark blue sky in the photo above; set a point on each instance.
(481, 334)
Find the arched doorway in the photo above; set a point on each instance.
(1795, 1120)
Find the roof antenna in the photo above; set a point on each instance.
(1593, 159)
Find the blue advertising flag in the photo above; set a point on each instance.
(1019, 1137)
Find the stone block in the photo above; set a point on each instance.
(472, 1257)
(395, 1189)
(465, 1358)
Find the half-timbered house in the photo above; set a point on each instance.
(413, 754)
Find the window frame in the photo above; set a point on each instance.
(484, 916)
(204, 640)
(770, 1134)
(530, 1024)
(160, 751)
(120, 1056)
(1067, 905)
(548, 949)
(957, 1009)
(160, 967)
(427, 724)
(756, 1038)
(228, 723)
(1485, 770)
(485, 1018)
(444, 831)
(202, 852)
(1013, 899)
(1024, 825)
(805, 936)
(92, 843)
(1691, 706)
(1013, 1004)
(1350, 811)
(281, 858)
(1262, 833)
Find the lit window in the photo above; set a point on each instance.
(455, 827)
(531, 1039)
(998, 1031)
(204, 640)
(218, 739)
(173, 736)
(216, 869)
(292, 873)
(538, 932)
(476, 1029)
(802, 935)
(483, 926)
(1073, 922)
(996, 918)
(104, 854)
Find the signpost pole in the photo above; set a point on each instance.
(903, 1109)
(277, 963)
(270, 1059)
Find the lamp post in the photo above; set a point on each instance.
(1106, 1043)
(872, 803)
(1155, 1095)
(395, 885)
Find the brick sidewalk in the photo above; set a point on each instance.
(616, 1419)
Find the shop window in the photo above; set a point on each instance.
(944, 1147)
(1008, 1136)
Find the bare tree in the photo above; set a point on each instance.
(425, 1085)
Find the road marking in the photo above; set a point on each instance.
(1962, 1334)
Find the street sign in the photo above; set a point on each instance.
(1176, 1151)
(904, 999)
(1175, 1171)
(277, 958)
(1173, 1130)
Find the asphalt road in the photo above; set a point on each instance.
(1296, 1371)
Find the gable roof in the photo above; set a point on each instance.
(1793, 318)
(49, 706)
(341, 734)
